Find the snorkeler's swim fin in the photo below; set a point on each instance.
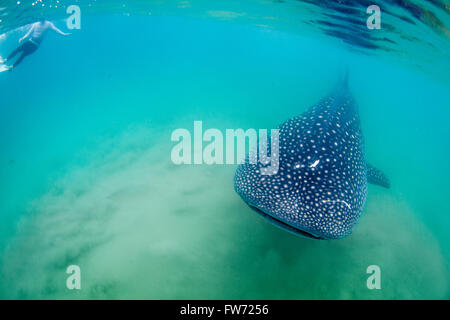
(4, 67)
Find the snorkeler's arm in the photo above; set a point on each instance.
(57, 30)
(28, 33)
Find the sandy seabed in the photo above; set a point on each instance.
(141, 227)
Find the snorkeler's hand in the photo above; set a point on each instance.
(67, 34)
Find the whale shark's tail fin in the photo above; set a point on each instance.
(375, 176)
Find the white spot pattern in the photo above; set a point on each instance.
(321, 185)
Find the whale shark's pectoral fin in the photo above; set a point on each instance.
(375, 176)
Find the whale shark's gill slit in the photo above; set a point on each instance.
(284, 225)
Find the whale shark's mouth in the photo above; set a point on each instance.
(284, 225)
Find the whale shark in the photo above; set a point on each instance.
(320, 188)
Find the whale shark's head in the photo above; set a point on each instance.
(307, 198)
(320, 187)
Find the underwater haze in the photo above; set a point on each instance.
(86, 176)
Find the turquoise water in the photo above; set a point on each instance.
(87, 179)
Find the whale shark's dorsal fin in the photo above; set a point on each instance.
(375, 176)
(345, 78)
(342, 82)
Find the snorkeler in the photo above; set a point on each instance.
(37, 31)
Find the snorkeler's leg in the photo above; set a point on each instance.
(16, 51)
(18, 61)
(27, 50)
